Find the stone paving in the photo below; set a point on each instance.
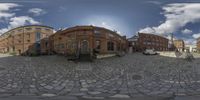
(117, 77)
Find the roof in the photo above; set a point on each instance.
(86, 27)
(26, 26)
(153, 35)
(133, 38)
(179, 40)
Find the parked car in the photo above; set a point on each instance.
(150, 52)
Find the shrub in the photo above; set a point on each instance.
(34, 54)
(13, 53)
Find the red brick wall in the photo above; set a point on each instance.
(77, 35)
(151, 41)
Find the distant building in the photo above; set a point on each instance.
(198, 44)
(152, 41)
(25, 39)
(179, 45)
(171, 45)
(191, 48)
(133, 44)
(87, 40)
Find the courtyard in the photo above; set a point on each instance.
(134, 75)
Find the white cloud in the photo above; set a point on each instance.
(147, 30)
(37, 11)
(190, 41)
(177, 15)
(196, 35)
(24, 1)
(3, 30)
(106, 25)
(6, 16)
(169, 37)
(4, 8)
(19, 21)
(186, 31)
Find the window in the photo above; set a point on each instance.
(61, 46)
(110, 46)
(37, 36)
(98, 45)
(111, 35)
(13, 48)
(28, 35)
(46, 44)
(97, 33)
(70, 44)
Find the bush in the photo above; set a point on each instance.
(13, 53)
(34, 54)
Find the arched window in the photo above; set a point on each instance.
(110, 46)
(98, 45)
(37, 35)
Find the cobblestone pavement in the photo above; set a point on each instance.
(118, 77)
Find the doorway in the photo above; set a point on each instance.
(84, 47)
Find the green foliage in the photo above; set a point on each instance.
(13, 53)
(34, 54)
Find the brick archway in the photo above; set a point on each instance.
(84, 47)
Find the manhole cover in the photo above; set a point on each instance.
(136, 77)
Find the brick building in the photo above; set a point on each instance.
(133, 44)
(198, 44)
(152, 41)
(25, 39)
(80, 40)
(179, 45)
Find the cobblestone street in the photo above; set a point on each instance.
(118, 77)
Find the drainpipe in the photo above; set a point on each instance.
(23, 39)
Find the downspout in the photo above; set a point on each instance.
(23, 39)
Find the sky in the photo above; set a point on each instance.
(127, 17)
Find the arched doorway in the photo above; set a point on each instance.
(84, 47)
(19, 52)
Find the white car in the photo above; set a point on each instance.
(150, 52)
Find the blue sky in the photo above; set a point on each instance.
(180, 17)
